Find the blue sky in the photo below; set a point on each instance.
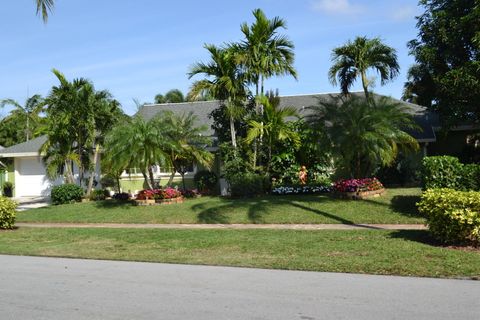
(137, 49)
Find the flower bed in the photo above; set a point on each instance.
(284, 190)
(158, 196)
(358, 188)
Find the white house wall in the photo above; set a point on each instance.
(31, 178)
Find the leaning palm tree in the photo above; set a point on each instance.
(30, 111)
(225, 81)
(273, 125)
(364, 133)
(353, 59)
(44, 7)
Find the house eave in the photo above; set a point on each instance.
(19, 155)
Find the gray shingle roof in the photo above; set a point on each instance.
(28, 147)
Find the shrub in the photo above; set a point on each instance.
(470, 178)
(190, 193)
(247, 185)
(452, 216)
(123, 196)
(7, 213)
(98, 195)
(441, 172)
(167, 193)
(205, 180)
(66, 193)
(7, 189)
(358, 185)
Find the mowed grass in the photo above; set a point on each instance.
(396, 206)
(408, 253)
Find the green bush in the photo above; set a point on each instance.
(205, 180)
(98, 195)
(470, 178)
(7, 213)
(442, 172)
(452, 216)
(247, 185)
(7, 189)
(66, 193)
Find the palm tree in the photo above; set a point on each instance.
(30, 111)
(187, 142)
(225, 81)
(364, 133)
(353, 59)
(273, 125)
(265, 53)
(44, 7)
(138, 144)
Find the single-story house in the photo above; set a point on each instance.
(29, 175)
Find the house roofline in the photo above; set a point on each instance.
(18, 155)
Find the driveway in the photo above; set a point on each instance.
(50, 288)
(25, 203)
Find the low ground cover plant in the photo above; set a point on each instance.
(122, 196)
(298, 189)
(7, 213)
(358, 185)
(66, 193)
(452, 216)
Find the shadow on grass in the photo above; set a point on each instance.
(113, 204)
(406, 205)
(212, 215)
(421, 236)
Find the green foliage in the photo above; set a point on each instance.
(99, 194)
(446, 76)
(7, 189)
(353, 59)
(248, 184)
(364, 134)
(66, 193)
(448, 172)
(452, 216)
(205, 180)
(7, 213)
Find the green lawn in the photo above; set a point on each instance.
(407, 253)
(397, 206)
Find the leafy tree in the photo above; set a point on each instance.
(159, 98)
(364, 134)
(30, 112)
(446, 76)
(354, 59)
(44, 7)
(174, 96)
(225, 81)
(273, 126)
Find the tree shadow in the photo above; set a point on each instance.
(212, 215)
(421, 236)
(406, 205)
(113, 204)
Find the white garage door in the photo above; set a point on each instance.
(30, 178)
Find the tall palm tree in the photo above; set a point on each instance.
(264, 52)
(44, 7)
(273, 125)
(138, 144)
(225, 81)
(353, 59)
(30, 111)
(188, 144)
(365, 133)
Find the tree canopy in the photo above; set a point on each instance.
(446, 76)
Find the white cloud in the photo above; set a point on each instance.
(336, 7)
(404, 13)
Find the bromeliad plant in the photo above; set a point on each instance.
(358, 185)
(158, 194)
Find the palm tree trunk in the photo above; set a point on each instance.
(365, 83)
(150, 174)
(233, 133)
(147, 181)
(92, 174)
(170, 180)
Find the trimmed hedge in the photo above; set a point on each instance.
(448, 172)
(452, 216)
(66, 193)
(7, 213)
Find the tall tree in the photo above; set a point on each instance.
(29, 112)
(273, 125)
(225, 81)
(354, 59)
(364, 134)
(44, 7)
(446, 76)
(174, 96)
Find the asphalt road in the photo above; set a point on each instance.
(50, 288)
